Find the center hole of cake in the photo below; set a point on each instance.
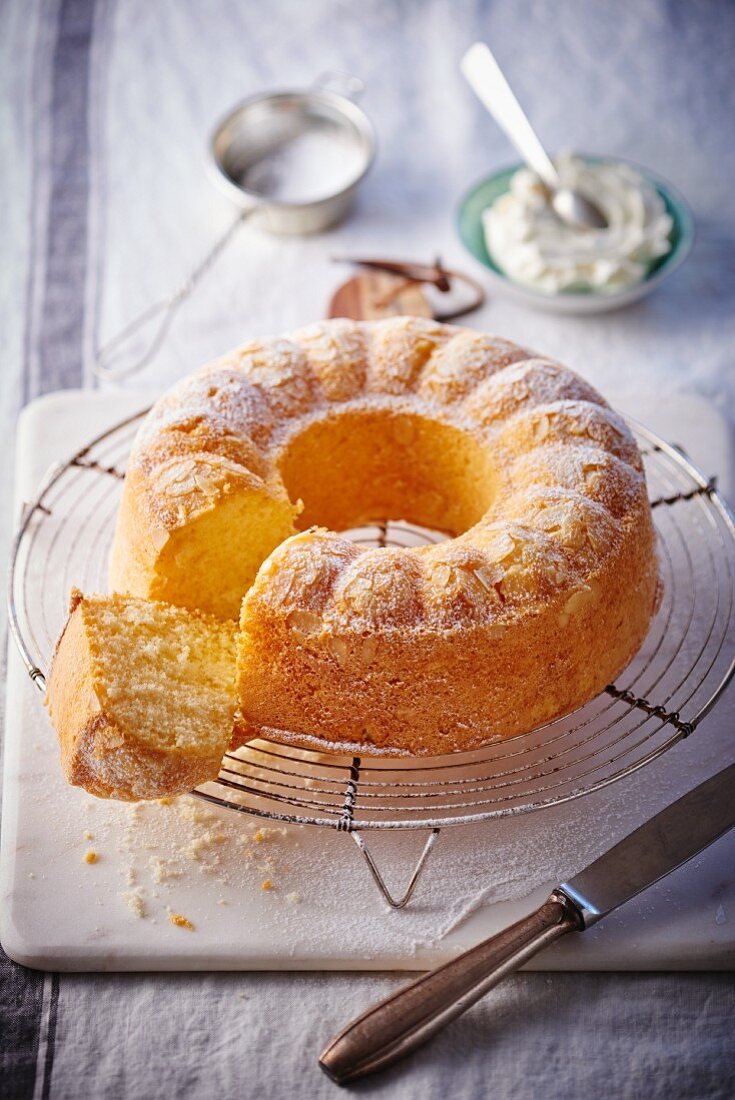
(360, 467)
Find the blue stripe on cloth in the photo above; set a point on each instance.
(61, 327)
(53, 360)
(48, 1061)
(21, 1005)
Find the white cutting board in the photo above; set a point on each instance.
(323, 910)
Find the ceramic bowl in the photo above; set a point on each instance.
(484, 193)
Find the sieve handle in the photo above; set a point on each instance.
(135, 345)
(406, 1019)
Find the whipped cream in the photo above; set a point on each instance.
(534, 247)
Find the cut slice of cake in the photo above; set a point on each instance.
(142, 696)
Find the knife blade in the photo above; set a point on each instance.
(408, 1018)
(672, 837)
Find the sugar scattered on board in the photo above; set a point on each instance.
(316, 874)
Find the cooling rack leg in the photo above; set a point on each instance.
(395, 903)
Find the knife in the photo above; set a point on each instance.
(409, 1017)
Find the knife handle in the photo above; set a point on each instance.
(406, 1019)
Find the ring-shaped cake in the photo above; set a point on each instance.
(244, 474)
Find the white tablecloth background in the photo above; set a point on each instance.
(105, 111)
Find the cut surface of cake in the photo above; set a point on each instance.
(142, 696)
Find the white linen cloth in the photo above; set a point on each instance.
(106, 107)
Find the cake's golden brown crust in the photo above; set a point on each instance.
(105, 758)
(541, 597)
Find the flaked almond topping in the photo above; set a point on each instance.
(516, 577)
(338, 649)
(579, 599)
(206, 485)
(181, 487)
(503, 546)
(358, 590)
(489, 576)
(180, 471)
(305, 622)
(555, 572)
(598, 537)
(552, 517)
(381, 583)
(574, 533)
(369, 650)
(442, 574)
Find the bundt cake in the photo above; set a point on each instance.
(142, 696)
(541, 596)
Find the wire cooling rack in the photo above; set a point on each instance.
(687, 660)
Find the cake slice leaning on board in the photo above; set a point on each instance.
(142, 696)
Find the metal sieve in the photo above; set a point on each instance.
(292, 162)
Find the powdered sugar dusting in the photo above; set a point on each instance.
(210, 865)
(267, 392)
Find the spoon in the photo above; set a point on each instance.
(486, 79)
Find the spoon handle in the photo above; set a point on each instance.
(486, 79)
(406, 1019)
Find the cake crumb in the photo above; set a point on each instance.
(130, 876)
(221, 901)
(181, 922)
(161, 871)
(165, 801)
(266, 884)
(90, 856)
(87, 835)
(293, 898)
(189, 811)
(267, 832)
(203, 843)
(134, 900)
